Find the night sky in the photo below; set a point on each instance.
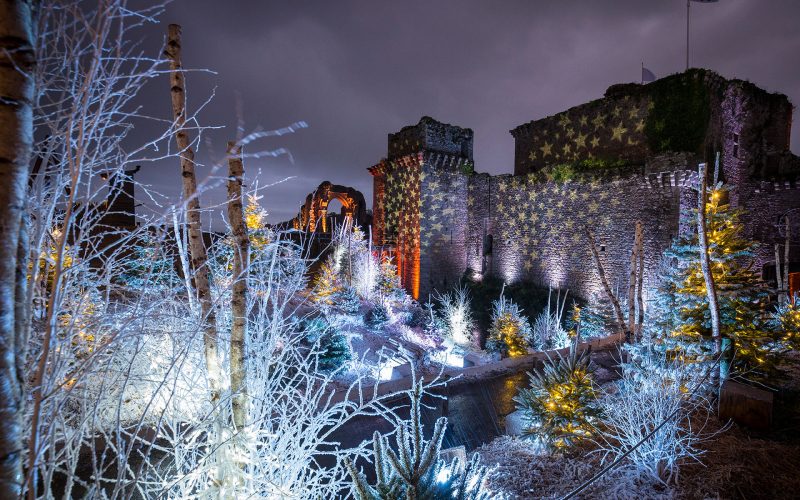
(358, 70)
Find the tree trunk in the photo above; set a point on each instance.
(705, 262)
(640, 285)
(632, 283)
(786, 259)
(17, 62)
(778, 274)
(614, 302)
(241, 261)
(197, 247)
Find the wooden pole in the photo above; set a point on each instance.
(778, 275)
(786, 259)
(632, 282)
(639, 293)
(614, 302)
(241, 261)
(705, 262)
(197, 247)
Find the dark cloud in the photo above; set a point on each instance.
(358, 70)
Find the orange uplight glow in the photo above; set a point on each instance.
(415, 274)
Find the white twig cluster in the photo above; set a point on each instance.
(646, 399)
(118, 400)
(548, 331)
(457, 314)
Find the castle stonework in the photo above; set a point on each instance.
(631, 155)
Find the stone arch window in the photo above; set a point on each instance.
(314, 213)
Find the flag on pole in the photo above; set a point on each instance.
(647, 75)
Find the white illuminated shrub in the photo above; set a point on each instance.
(456, 315)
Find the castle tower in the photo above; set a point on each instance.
(420, 201)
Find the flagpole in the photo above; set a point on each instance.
(687, 34)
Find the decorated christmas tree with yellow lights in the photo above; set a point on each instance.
(682, 309)
(510, 333)
(560, 405)
(255, 217)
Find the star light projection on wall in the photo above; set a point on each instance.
(545, 222)
(588, 131)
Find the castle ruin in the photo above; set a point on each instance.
(630, 155)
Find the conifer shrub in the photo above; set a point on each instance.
(560, 406)
(326, 284)
(347, 301)
(378, 316)
(786, 320)
(334, 350)
(413, 468)
(591, 320)
(150, 266)
(510, 334)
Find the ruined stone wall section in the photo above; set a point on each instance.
(433, 136)
(608, 128)
(764, 205)
(538, 230)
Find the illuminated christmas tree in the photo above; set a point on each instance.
(682, 306)
(389, 284)
(561, 403)
(326, 285)
(255, 218)
(510, 333)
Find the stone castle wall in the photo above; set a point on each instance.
(608, 128)
(602, 165)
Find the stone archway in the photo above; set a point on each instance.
(314, 212)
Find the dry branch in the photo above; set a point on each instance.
(614, 302)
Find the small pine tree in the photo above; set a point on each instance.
(414, 469)
(149, 266)
(510, 333)
(255, 218)
(786, 320)
(591, 319)
(334, 350)
(378, 316)
(561, 402)
(389, 284)
(346, 300)
(326, 285)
